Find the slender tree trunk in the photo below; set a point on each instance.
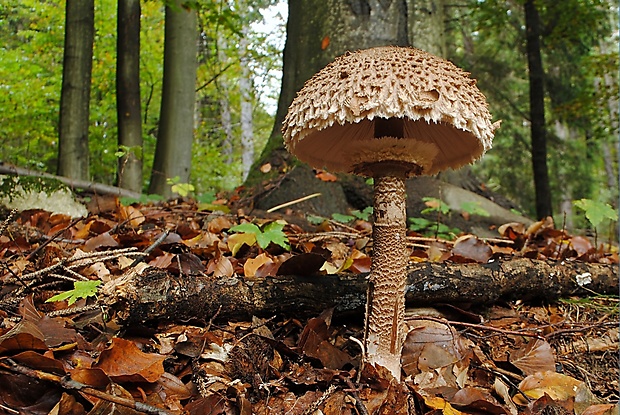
(75, 95)
(537, 111)
(224, 100)
(128, 95)
(173, 153)
(245, 89)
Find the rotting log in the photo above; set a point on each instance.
(155, 294)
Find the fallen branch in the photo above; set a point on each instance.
(97, 188)
(71, 384)
(157, 295)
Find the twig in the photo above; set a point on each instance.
(68, 383)
(315, 405)
(504, 375)
(580, 329)
(5, 223)
(478, 326)
(361, 408)
(51, 238)
(148, 250)
(293, 202)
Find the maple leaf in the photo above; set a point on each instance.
(271, 233)
(81, 289)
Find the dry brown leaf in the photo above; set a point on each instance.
(536, 356)
(220, 267)
(122, 361)
(470, 247)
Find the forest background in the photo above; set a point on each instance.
(237, 79)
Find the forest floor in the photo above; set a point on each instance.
(68, 346)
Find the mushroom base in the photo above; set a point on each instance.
(385, 308)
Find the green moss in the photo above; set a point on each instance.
(12, 185)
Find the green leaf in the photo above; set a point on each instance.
(364, 214)
(435, 205)
(419, 224)
(315, 220)
(596, 212)
(81, 289)
(473, 208)
(272, 232)
(246, 228)
(339, 217)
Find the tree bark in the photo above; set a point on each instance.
(317, 32)
(155, 295)
(173, 153)
(245, 90)
(128, 95)
(537, 111)
(73, 157)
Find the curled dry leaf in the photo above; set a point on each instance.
(220, 267)
(472, 248)
(252, 265)
(431, 345)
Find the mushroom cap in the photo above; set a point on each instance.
(394, 104)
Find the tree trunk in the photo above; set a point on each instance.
(173, 153)
(128, 95)
(245, 89)
(224, 100)
(317, 32)
(155, 295)
(425, 26)
(75, 95)
(537, 111)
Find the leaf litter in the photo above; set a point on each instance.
(76, 356)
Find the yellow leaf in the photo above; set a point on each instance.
(436, 402)
(236, 241)
(559, 387)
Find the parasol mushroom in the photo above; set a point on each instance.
(388, 113)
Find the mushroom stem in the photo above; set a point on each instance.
(385, 307)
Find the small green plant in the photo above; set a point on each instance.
(81, 289)
(432, 228)
(126, 150)
(126, 201)
(355, 214)
(474, 208)
(435, 205)
(270, 233)
(183, 189)
(596, 212)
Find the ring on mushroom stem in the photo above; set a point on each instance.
(389, 113)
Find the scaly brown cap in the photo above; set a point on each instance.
(389, 104)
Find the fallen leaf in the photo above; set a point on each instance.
(253, 264)
(122, 361)
(558, 386)
(536, 356)
(326, 176)
(237, 240)
(470, 247)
